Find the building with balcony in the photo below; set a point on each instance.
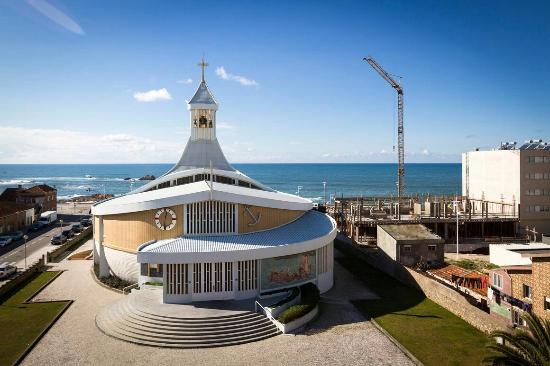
(512, 174)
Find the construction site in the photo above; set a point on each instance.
(479, 222)
(471, 222)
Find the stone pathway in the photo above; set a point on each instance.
(341, 336)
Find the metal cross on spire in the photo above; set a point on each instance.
(203, 64)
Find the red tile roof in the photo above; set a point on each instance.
(447, 272)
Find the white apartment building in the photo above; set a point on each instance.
(511, 174)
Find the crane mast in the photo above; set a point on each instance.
(400, 130)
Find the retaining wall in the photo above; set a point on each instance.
(452, 300)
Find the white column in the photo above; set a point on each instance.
(104, 270)
(95, 242)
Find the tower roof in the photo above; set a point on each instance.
(203, 96)
(199, 154)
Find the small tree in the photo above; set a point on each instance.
(522, 347)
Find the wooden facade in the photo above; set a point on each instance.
(256, 218)
(127, 232)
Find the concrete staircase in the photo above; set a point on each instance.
(124, 321)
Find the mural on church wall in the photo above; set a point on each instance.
(287, 270)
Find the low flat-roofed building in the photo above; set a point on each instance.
(506, 254)
(411, 244)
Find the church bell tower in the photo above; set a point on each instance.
(202, 108)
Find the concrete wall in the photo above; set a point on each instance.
(386, 242)
(493, 175)
(124, 265)
(421, 253)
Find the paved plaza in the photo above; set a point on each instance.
(340, 336)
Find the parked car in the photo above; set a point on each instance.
(7, 269)
(77, 228)
(18, 235)
(58, 239)
(86, 222)
(37, 225)
(5, 240)
(68, 232)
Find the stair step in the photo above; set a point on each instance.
(210, 320)
(197, 334)
(190, 339)
(121, 320)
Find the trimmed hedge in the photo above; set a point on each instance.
(294, 312)
(309, 299)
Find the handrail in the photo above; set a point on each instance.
(134, 285)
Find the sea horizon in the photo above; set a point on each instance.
(348, 179)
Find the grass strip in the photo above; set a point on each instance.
(22, 322)
(429, 331)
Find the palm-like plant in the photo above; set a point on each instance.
(529, 347)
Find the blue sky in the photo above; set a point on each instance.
(293, 87)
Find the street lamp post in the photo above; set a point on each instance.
(25, 238)
(61, 226)
(456, 213)
(324, 193)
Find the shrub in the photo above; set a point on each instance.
(294, 312)
(309, 300)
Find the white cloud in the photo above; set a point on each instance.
(425, 152)
(42, 145)
(220, 71)
(185, 81)
(152, 95)
(56, 16)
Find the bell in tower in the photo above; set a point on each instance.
(203, 109)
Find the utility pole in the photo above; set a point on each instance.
(456, 213)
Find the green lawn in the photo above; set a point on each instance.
(22, 323)
(430, 332)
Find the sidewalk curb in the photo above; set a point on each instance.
(394, 341)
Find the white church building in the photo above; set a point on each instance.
(205, 231)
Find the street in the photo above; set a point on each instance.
(37, 245)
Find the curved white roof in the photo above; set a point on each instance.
(200, 191)
(311, 231)
(199, 154)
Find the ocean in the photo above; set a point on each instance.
(73, 180)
